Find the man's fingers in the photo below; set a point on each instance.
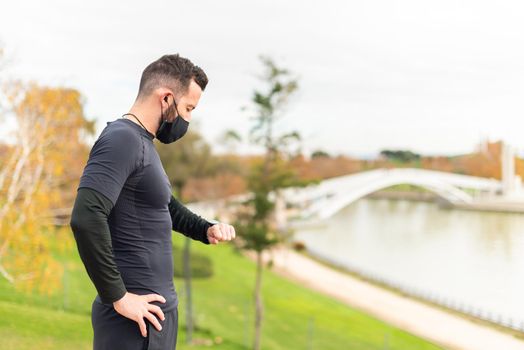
(142, 326)
(153, 320)
(157, 310)
(230, 230)
(155, 297)
(218, 232)
(221, 232)
(227, 232)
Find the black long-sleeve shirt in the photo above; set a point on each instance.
(123, 216)
(89, 222)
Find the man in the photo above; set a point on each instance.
(124, 213)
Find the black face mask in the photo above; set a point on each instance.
(171, 131)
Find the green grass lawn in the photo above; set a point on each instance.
(294, 318)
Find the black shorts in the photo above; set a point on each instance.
(114, 331)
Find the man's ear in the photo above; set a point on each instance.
(163, 94)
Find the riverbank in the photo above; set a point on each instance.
(497, 205)
(449, 330)
(452, 306)
(409, 195)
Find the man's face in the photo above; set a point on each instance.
(186, 104)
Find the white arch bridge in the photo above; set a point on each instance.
(329, 196)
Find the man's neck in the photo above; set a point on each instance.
(146, 116)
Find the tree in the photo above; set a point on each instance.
(257, 226)
(402, 156)
(37, 176)
(320, 154)
(230, 139)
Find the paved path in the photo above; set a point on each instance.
(436, 325)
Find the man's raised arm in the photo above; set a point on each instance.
(187, 222)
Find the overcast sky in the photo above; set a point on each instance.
(431, 76)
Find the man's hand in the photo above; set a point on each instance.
(136, 307)
(220, 232)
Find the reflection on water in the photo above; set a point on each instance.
(476, 258)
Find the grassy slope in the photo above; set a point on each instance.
(223, 311)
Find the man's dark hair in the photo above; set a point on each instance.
(171, 71)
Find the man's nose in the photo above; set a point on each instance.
(186, 117)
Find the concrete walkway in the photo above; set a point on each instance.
(436, 325)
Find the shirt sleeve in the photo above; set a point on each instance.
(93, 239)
(187, 222)
(114, 156)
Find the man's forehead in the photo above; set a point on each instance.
(195, 88)
(193, 93)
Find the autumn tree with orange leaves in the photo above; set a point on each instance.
(39, 171)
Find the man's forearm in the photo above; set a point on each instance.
(187, 222)
(93, 238)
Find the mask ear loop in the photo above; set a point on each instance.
(176, 107)
(162, 111)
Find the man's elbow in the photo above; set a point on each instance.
(78, 222)
(75, 222)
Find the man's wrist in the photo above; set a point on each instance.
(212, 222)
(113, 295)
(209, 224)
(119, 299)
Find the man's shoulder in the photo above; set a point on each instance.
(120, 128)
(118, 142)
(117, 152)
(119, 134)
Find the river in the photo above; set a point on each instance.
(469, 257)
